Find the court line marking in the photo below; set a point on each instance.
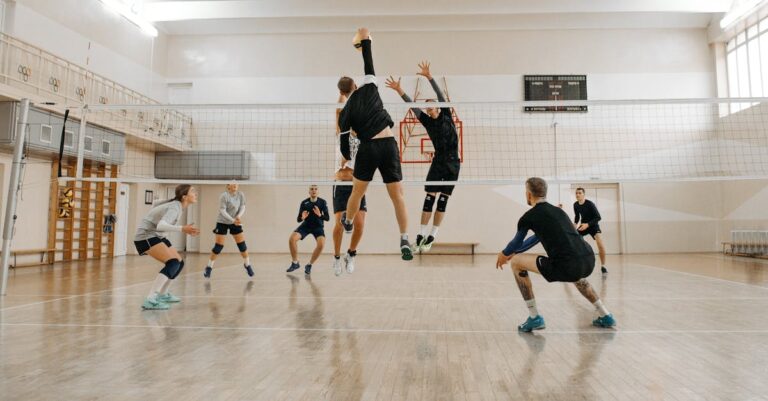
(383, 331)
(700, 276)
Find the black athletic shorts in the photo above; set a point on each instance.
(341, 196)
(304, 231)
(143, 246)
(568, 271)
(591, 230)
(443, 171)
(381, 154)
(221, 229)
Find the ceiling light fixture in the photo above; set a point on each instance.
(123, 9)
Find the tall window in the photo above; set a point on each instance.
(747, 63)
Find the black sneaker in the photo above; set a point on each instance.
(248, 270)
(293, 267)
(427, 245)
(405, 249)
(207, 272)
(307, 269)
(347, 225)
(604, 270)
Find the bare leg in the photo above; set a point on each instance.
(586, 290)
(600, 248)
(357, 234)
(338, 234)
(292, 245)
(521, 264)
(439, 215)
(353, 203)
(395, 190)
(318, 250)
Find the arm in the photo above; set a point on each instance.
(426, 73)
(519, 244)
(324, 210)
(576, 214)
(395, 85)
(298, 218)
(163, 225)
(596, 213)
(367, 52)
(438, 92)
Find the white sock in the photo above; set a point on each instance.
(158, 285)
(424, 229)
(404, 236)
(532, 307)
(295, 261)
(166, 286)
(601, 308)
(247, 260)
(210, 263)
(434, 231)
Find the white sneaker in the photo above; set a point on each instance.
(337, 267)
(350, 262)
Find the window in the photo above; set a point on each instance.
(88, 144)
(105, 147)
(746, 57)
(69, 139)
(46, 133)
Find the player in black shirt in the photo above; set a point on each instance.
(313, 211)
(586, 212)
(445, 163)
(365, 115)
(569, 258)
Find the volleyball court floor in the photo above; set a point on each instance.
(690, 326)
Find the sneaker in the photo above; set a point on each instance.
(168, 298)
(293, 267)
(606, 321)
(248, 270)
(154, 304)
(531, 324)
(207, 272)
(307, 269)
(347, 226)
(349, 262)
(604, 271)
(416, 247)
(337, 266)
(426, 245)
(405, 249)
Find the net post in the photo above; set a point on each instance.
(81, 142)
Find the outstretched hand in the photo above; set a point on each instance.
(502, 259)
(392, 84)
(364, 33)
(424, 66)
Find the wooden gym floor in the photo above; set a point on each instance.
(690, 327)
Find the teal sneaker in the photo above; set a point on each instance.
(531, 324)
(606, 321)
(168, 298)
(154, 304)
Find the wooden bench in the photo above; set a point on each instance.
(21, 252)
(440, 248)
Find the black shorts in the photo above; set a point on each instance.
(304, 231)
(568, 271)
(591, 230)
(221, 229)
(442, 171)
(381, 154)
(341, 196)
(143, 246)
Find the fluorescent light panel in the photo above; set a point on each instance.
(125, 11)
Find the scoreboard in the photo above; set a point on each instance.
(553, 88)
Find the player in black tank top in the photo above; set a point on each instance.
(569, 258)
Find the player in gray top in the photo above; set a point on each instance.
(231, 210)
(150, 240)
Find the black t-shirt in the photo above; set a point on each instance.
(554, 229)
(313, 221)
(587, 213)
(442, 133)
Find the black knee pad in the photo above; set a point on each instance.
(181, 267)
(217, 248)
(442, 202)
(242, 247)
(429, 201)
(171, 268)
(523, 273)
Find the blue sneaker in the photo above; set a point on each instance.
(154, 304)
(347, 225)
(249, 270)
(293, 267)
(307, 269)
(531, 324)
(606, 321)
(207, 272)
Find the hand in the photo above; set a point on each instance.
(424, 65)
(317, 211)
(190, 229)
(364, 33)
(502, 259)
(395, 85)
(304, 215)
(583, 227)
(237, 222)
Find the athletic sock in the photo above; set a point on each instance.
(295, 261)
(532, 310)
(247, 260)
(166, 286)
(404, 236)
(336, 256)
(434, 231)
(424, 229)
(210, 263)
(157, 285)
(352, 253)
(601, 310)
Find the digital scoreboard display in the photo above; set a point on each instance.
(554, 88)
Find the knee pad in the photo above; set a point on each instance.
(181, 267)
(171, 268)
(523, 273)
(242, 247)
(442, 202)
(217, 248)
(429, 201)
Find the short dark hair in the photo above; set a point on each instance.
(430, 100)
(346, 85)
(581, 189)
(537, 187)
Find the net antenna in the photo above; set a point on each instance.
(415, 145)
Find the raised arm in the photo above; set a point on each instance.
(395, 85)
(424, 67)
(365, 34)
